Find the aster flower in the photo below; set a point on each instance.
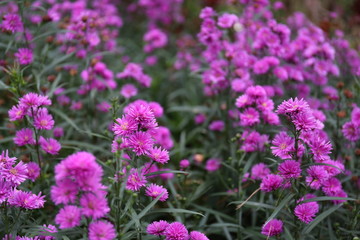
(317, 174)
(283, 145)
(154, 191)
(259, 171)
(47, 230)
(43, 120)
(26, 200)
(227, 20)
(101, 230)
(124, 127)
(293, 106)
(16, 113)
(331, 186)
(50, 145)
(272, 228)
(156, 109)
(5, 190)
(24, 56)
(213, 164)
(140, 142)
(12, 23)
(334, 168)
(305, 121)
(290, 169)
(58, 132)
(195, 235)
(217, 126)
(159, 155)
(16, 174)
(249, 117)
(94, 205)
(184, 164)
(320, 149)
(142, 115)
(128, 91)
(157, 228)
(306, 211)
(68, 217)
(351, 131)
(243, 101)
(23, 137)
(5, 160)
(135, 180)
(339, 193)
(271, 182)
(33, 171)
(65, 192)
(34, 100)
(176, 231)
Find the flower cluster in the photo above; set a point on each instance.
(351, 129)
(78, 187)
(173, 231)
(12, 175)
(135, 71)
(32, 106)
(138, 133)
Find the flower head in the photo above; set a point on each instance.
(271, 182)
(306, 211)
(51, 146)
(24, 136)
(24, 56)
(157, 228)
(12, 23)
(154, 191)
(176, 231)
(94, 205)
(101, 230)
(135, 180)
(272, 228)
(290, 169)
(68, 217)
(195, 235)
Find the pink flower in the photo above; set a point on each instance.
(351, 131)
(68, 217)
(306, 211)
(24, 56)
(154, 191)
(249, 117)
(64, 192)
(290, 169)
(34, 100)
(5, 160)
(157, 228)
(293, 106)
(217, 126)
(124, 127)
(16, 174)
(141, 114)
(195, 235)
(272, 228)
(12, 23)
(94, 205)
(259, 171)
(101, 230)
(50, 145)
(103, 107)
(331, 186)
(23, 137)
(213, 164)
(26, 200)
(135, 180)
(283, 145)
(227, 20)
(317, 174)
(58, 132)
(128, 91)
(200, 118)
(17, 113)
(33, 171)
(184, 163)
(156, 108)
(271, 182)
(140, 142)
(43, 120)
(176, 231)
(159, 155)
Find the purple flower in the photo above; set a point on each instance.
(290, 169)
(156, 108)
(351, 131)
(154, 191)
(157, 228)
(271, 182)
(159, 155)
(94, 205)
(12, 23)
(16, 174)
(195, 235)
(124, 127)
(293, 106)
(317, 174)
(306, 211)
(17, 113)
(184, 163)
(33, 171)
(217, 126)
(101, 230)
(128, 91)
(213, 164)
(176, 231)
(24, 56)
(5, 160)
(249, 117)
(272, 228)
(283, 145)
(50, 145)
(135, 180)
(259, 171)
(68, 217)
(23, 137)
(58, 132)
(43, 120)
(227, 20)
(140, 143)
(64, 192)
(26, 200)
(34, 100)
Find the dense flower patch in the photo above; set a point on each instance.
(176, 120)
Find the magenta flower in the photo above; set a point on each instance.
(154, 191)
(176, 231)
(34, 100)
(351, 131)
(200, 118)
(306, 211)
(141, 114)
(128, 91)
(5, 190)
(101, 230)
(16, 174)
(26, 200)
(159, 155)
(217, 126)
(43, 120)
(94, 205)
(195, 235)
(68, 217)
(320, 149)
(23, 137)
(157, 109)
(17, 113)
(331, 186)
(227, 20)
(50, 145)
(58, 132)
(271, 182)
(124, 127)
(259, 171)
(12, 23)
(5, 160)
(24, 56)
(103, 107)
(157, 228)
(64, 192)
(249, 117)
(290, 169)
(33, 171)
(135, 180)
(184, 164)
(317, 174)
(283, 145)
(213, 164)
(272, 228)
(48, 229)
(293, 106)
(140, 143)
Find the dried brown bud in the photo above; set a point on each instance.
(73, 72)
(340, 85)
(46, 18)
(51, 78)
(357, 151)
(341, 114)
(50, 39)
(25, 158)
(348, 93)
(94, 61)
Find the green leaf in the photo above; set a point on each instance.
(66, 118)
(282, 204)
(318, 199)
(174, 210)
(320, 218)
(254, 204)
(165, 171)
